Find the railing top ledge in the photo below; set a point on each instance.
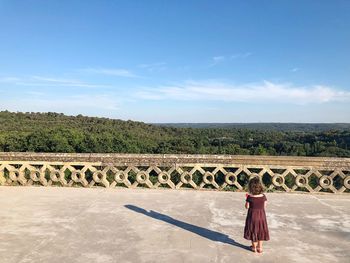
(169, 159)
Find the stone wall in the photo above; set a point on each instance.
(220, 172)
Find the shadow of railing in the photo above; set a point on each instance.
(201, 231)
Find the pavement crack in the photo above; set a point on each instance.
(326, 204)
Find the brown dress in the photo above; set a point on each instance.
(255, 224)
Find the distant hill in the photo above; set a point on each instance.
(304, 127)
(56, 132)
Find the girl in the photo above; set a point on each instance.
(255, 225)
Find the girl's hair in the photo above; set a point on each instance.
(255, 186)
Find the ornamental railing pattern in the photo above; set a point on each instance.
(218, 172)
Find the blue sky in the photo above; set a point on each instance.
(178, 61)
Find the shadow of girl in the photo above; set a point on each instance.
(201, 231)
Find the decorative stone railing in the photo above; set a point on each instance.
(220, 172)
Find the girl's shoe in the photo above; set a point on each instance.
(259, 250)
(253, 249)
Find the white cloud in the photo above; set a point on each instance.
(219, 59)
(111, 71)
(9, 79)
(54, 80)
(35, 93)
(216, 60)
(294, 69)
(264, 92)
(43, 81)
(241, 55)
(86, 104)
(158, 66)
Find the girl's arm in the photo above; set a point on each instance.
(246, 201)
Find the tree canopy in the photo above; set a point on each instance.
(55, 132)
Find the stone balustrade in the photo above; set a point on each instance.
(218, 172)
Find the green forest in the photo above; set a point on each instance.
(56, 132)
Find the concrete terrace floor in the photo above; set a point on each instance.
(54, 224)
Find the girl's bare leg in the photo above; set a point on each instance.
(254, 246)
(260, 246)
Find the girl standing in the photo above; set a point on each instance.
(256, 228)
